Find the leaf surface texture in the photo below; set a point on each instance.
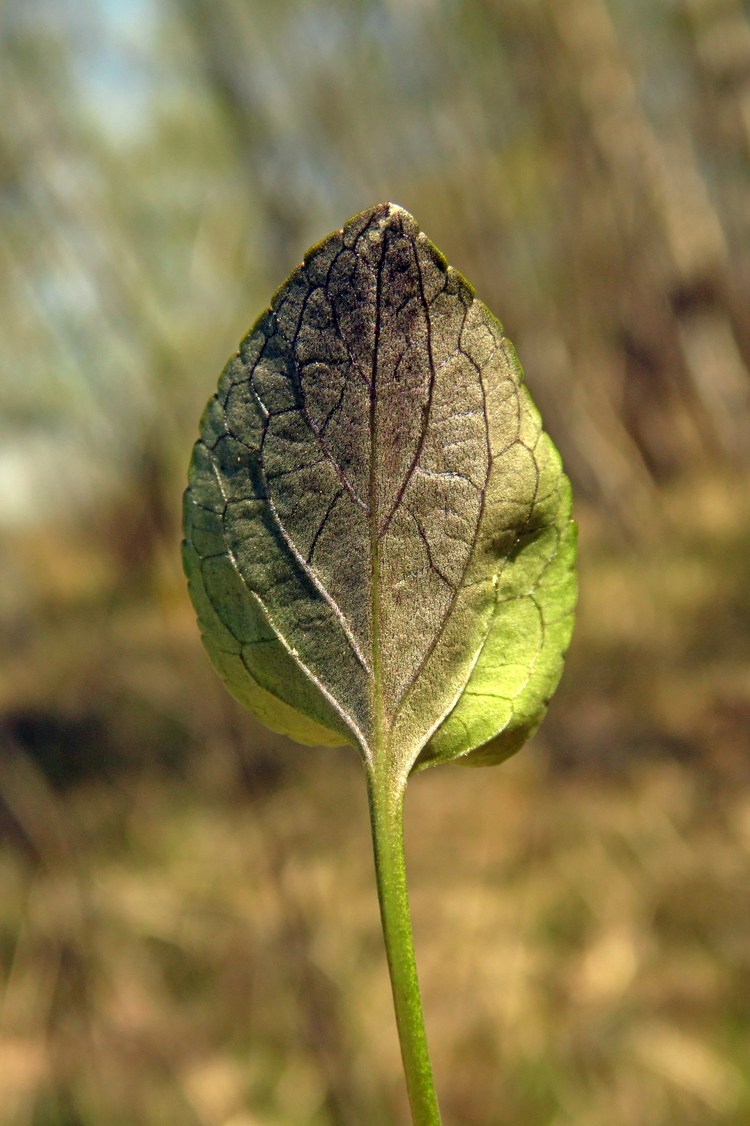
(377, 530)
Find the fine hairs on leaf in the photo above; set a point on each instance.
(378, 537)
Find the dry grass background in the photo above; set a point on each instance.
(188, 917)
(188, 920)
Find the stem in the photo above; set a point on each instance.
(386, 797)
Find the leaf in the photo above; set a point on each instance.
(377, 531)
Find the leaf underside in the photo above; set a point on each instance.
(377, 531)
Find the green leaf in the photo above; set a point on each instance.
(377, 530)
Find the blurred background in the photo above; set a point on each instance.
(188, 922)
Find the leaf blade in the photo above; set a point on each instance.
(365, 474)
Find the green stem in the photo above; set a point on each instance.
(386, 797)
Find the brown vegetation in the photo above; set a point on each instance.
(188, 922)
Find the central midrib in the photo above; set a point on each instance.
(378, 748)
